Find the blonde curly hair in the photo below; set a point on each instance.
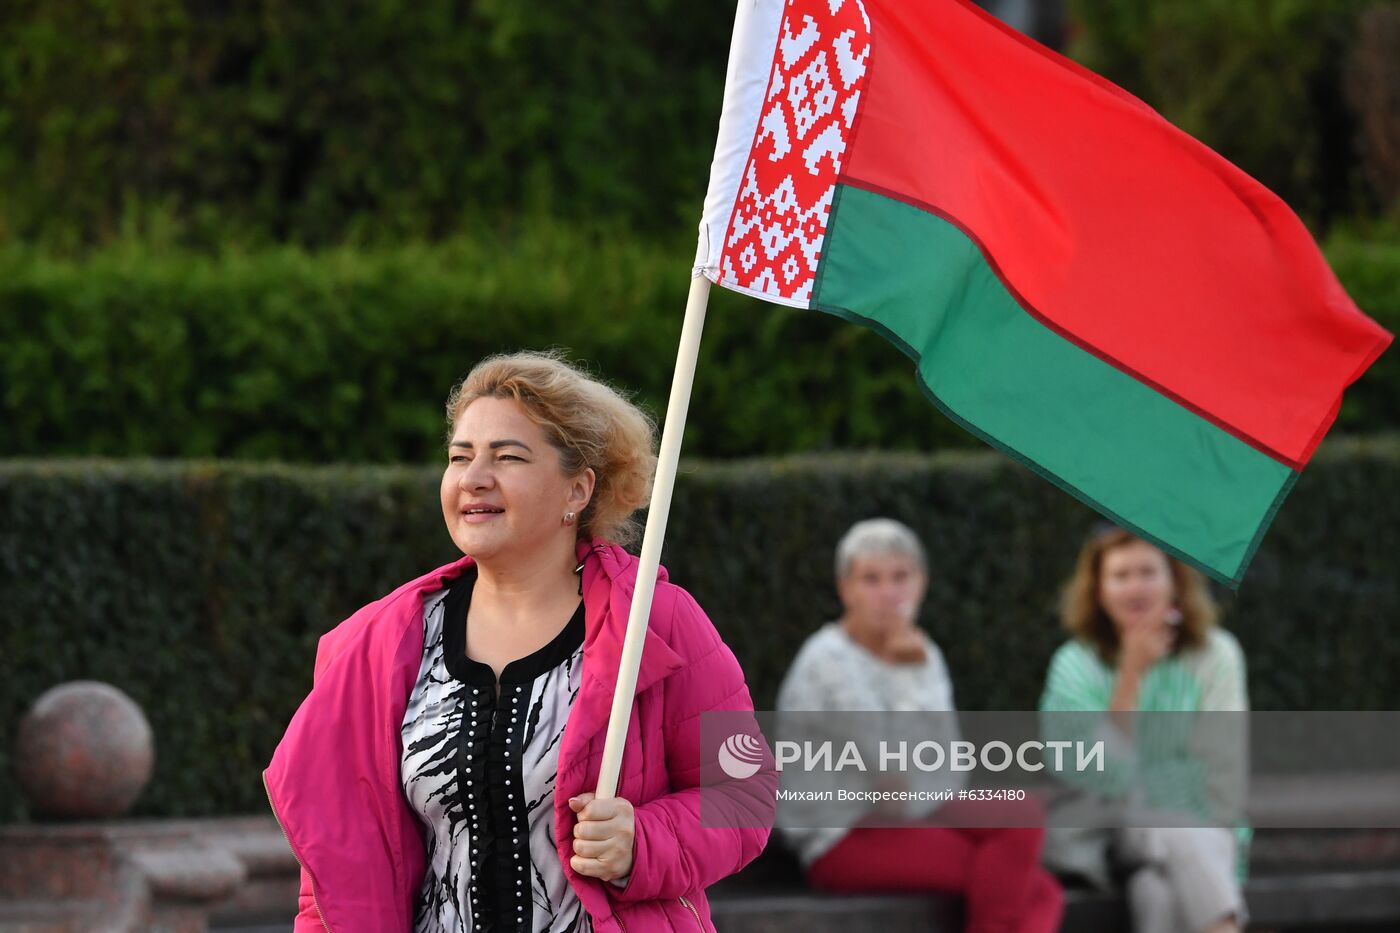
(590, 423)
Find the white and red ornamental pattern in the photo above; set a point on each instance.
(774, 238)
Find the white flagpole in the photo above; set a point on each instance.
(655, 534)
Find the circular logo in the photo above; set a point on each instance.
(741, 755)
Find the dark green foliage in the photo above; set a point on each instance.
(1259, 81)
(201, 588)
(314, 121)
(1368, 263)
(1373, 91)
(317, 122)
(348, 355)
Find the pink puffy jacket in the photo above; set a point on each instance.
(334, 781)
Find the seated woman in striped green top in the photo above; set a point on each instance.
(1145, 641)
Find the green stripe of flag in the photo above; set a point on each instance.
(1117, 444)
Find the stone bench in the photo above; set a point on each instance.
(239, 875)
(1301, 879)
(130, 875)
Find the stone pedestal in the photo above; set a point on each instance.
(84, 752)
(170, 876)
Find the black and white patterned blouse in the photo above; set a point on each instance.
(479, 770)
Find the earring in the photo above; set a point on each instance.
(570, 518)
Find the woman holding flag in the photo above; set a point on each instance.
(439, 775)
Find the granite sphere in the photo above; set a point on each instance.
(84, 751)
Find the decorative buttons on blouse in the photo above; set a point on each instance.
(488, 836)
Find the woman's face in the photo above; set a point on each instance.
(504, 492)
(882, 592)
(1135, 584)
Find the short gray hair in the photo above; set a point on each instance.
(878, 536)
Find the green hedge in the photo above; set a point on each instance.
(347, 355)
(200, 588)
(315, 122)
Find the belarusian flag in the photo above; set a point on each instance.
(1079, 283)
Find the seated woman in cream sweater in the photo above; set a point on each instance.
(875, 659)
